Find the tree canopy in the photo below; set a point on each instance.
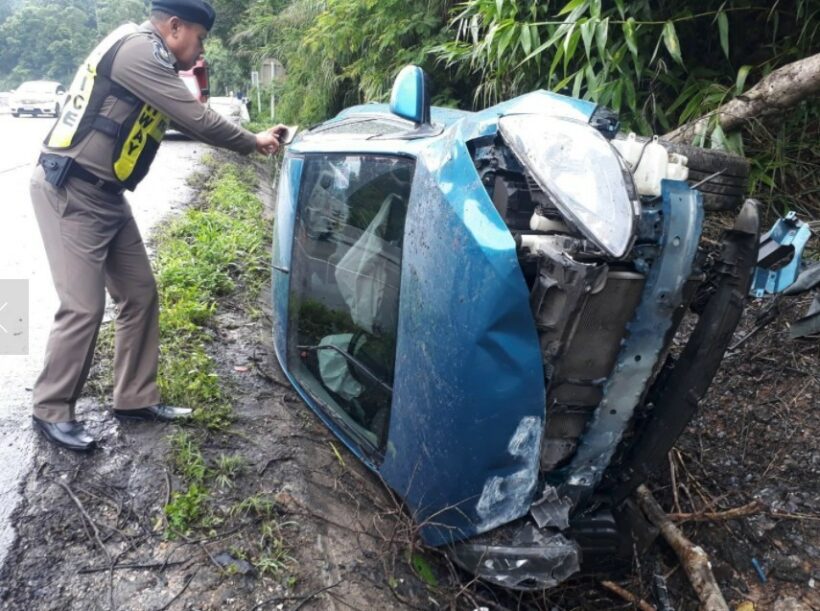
(49, 38)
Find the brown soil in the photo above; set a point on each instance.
(90, 528)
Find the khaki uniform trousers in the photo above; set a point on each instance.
(92, 243)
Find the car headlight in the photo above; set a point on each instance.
(577, 167)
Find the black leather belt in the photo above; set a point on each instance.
(75, 170)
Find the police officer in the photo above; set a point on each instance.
(120, 103)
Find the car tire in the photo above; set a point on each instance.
(56, 110)
(15, 114)
(725, 192)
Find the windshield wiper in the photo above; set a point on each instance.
(359, 365)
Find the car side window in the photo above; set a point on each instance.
(344, 286)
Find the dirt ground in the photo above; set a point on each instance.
(90, 528)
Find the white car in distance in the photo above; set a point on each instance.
(38, 98)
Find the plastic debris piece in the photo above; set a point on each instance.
(809, 324)
(781, 249)
(759, 570)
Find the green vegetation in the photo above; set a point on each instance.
(657, 64)
(216, 249)
(201, 256)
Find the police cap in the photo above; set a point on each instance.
(194, 11)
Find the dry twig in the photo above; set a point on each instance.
(743, 511)
(628, 596)
(693, 559)
(180, 593)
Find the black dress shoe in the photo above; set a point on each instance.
(71, 435)
(158, 413)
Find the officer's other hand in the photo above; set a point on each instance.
(267, 142)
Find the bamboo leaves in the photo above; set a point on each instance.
(723, 27)
(671, 42)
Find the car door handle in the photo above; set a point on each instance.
(284, 270)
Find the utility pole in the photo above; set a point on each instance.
(273, 90)
(255, 83)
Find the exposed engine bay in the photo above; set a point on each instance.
(605, 326)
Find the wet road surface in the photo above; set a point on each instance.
(22, 257)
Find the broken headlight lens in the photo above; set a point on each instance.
(577, 168)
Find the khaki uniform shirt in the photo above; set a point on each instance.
(146, 68)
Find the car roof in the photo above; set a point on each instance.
(372, 128)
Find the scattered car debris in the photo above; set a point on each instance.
(780, 255)
(809, 324)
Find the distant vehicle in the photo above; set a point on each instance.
(230, 108)
(38, 98)
(197, 80)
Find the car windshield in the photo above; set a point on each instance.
(345, 273)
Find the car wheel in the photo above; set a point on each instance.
(15, 114)
(725, 192)
(56, 110)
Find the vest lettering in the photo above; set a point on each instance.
(134, 145)
(70, 118)
(145, 120)
(78, 102)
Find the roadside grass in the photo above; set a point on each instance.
(202, 256)
(216, 249)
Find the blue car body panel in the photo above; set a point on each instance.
(468, 400)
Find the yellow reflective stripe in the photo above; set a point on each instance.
(80, 91)
(149, 124)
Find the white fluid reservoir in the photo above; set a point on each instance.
(650, 163)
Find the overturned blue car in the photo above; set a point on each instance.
(486, 308)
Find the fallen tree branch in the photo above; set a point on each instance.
(693, 559)
(118, 567)
(783, 88)
(749, 509)
(628, 596)
(87, 517)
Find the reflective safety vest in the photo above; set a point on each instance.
(136, 140)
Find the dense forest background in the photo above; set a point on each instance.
(659, 64)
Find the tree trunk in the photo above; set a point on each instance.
(785, 87)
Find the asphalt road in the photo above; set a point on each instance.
(22, 257)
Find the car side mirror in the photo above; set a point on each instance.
(410, 97)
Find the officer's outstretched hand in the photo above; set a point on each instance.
(267, 142)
